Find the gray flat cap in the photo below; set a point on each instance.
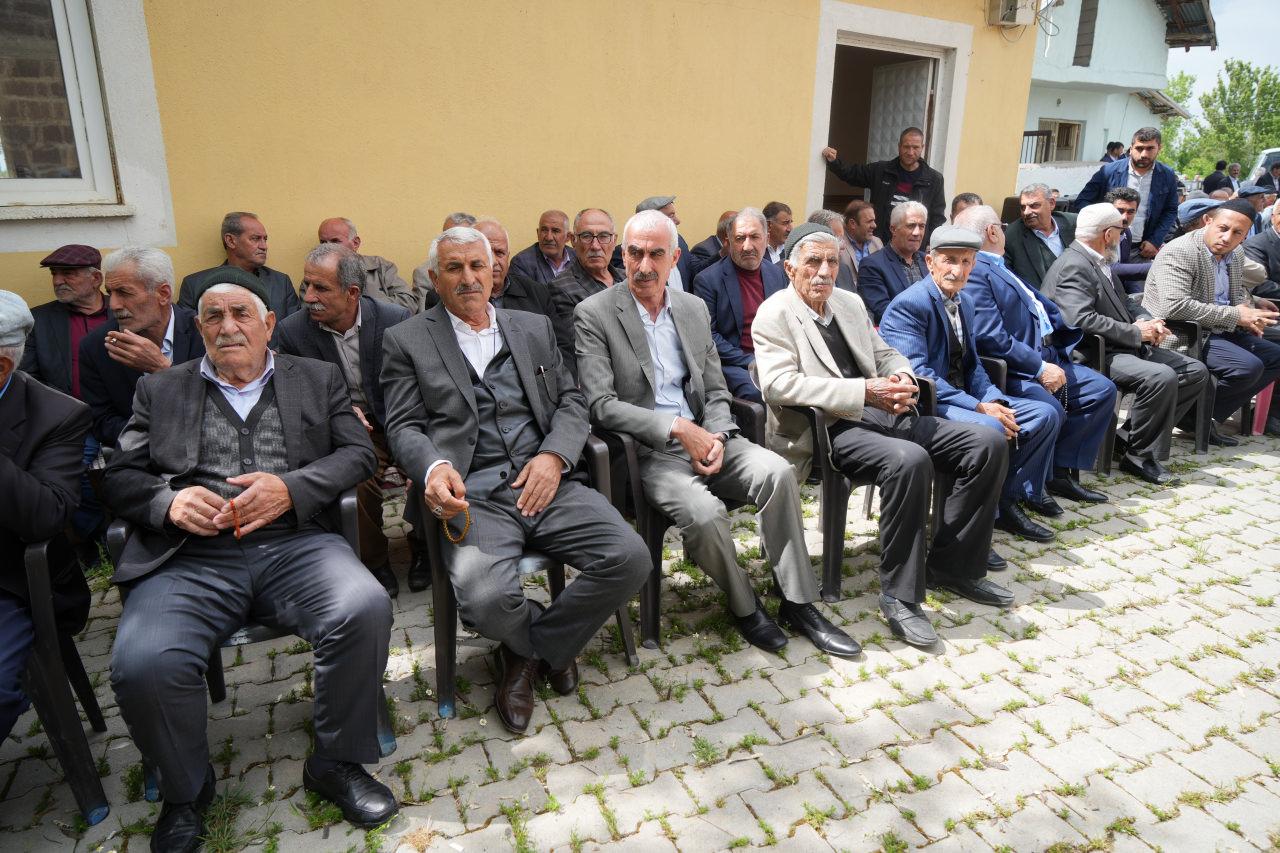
(15, 319)
(655, 202)
(953, 237)
(800, 232)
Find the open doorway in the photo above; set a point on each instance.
(875, 94)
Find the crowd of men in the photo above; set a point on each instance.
(233, 415)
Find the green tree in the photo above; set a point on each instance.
(1239, 119)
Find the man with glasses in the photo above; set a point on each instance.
(1165, 384)
(587, 274)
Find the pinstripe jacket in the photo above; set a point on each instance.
(1180, 287)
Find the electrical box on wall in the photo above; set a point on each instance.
(1011, 13)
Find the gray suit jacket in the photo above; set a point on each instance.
(1180, 287)
(615, 366)
(431, 405)
(382, 281)
(1264, 248)
(327, 447)
(1093, 302)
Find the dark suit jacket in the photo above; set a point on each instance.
(1027, 255)
(718, 286)
(431, 404)
(1270, 182)
(41, 459)
(1093, 302)
(916, 324)
(567, 290)
(302, 336)
(531, 263)
(881, 277)
(1162, 214)
(1005, 321)
(1215, 181)
(282, 298)
(47, 356)
(704, 255)
(107, 385)
(327, 447)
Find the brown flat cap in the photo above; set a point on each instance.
(73, 255)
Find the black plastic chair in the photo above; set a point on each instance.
(253, 632)
(53, 670)
(1099, 363)
(445, 604)
(1190, 331)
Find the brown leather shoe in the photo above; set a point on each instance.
(513, 694)
(563, 681)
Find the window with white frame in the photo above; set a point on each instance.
(54, 147)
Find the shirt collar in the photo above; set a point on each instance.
(355, 328)
(644, 312)
(208, 372)
(1091, 252)
(998, 260)
(1135, 173)
(460, 325)
(1051, 234)
(945, 298)
(823, 319)
(8, 382)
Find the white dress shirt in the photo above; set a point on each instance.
(1141, 183)
(478, 348)
(669, 368)
(241, 399)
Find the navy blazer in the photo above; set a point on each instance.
(1006, 324)
(531, 263)
(881, 277)
(718, 286)
(704, 255)
(302, 336)
(1162, 213)
(916, 324)
(107, 385)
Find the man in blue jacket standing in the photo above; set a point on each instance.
(1155, 182)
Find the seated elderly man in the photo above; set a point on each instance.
(345, 327)
(1199, 277)
(481, 410)
(733, 289)
(847, 278)
(1036, 240)
(381, 277)
(713, 248)
(886, 273)
(227, 469)
(649, 369)
(40, 470)
(146, 333)
(1019, 325)
(818, 348)
(1166, 385)
(511, 290)
(590, 271)
(551, 254)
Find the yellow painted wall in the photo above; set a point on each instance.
(396, 113)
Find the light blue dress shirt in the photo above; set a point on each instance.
(1053, 240)
(1042, 316)
(241, 399)
(166, 346)
(669, 368)
(1222, 280)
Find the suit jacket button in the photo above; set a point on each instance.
(502, 474)
(246, 461)
(244, 430)
(472, 441)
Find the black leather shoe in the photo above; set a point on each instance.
(907, 621)
(513, 695)
(563, 681)
(981, 590)
(806, 619)
(387, 578)
(365, 802)
(181, 825)
(1013, 520)
(1044, 505)
(1217, 439)
(1149, 470)
(996, 563)
(761, 631)
(419, 569)
(1065, 487)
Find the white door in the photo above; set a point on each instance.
(900, 98)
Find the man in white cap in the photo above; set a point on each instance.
(1165, 384)
(40, 470)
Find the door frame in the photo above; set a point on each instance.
(948, 42)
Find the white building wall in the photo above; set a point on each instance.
(1106, 116)
(1129, 50)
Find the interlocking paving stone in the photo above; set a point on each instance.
(1130, 700)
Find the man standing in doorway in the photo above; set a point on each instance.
(907, 177)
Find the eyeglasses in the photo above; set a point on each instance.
(587, 238)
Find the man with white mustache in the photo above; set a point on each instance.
(1166, 384)
(146, 333)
